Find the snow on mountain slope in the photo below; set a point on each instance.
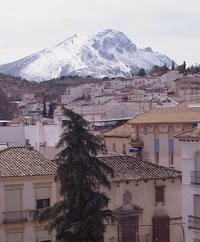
(108, 53)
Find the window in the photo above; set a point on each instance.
(145, 130)
(161, 229)
(156, 150)
(128, 228)
(171, 159)
(124, 149)
(196, 199)
(171, 152)
(159, 193)
(13, 194)
(42, 192)
(114, 147)
(42, 203)
(42, 235)
(15, 237)
(156, 156)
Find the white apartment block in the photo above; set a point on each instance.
(42, 137)
(190, 157)
(71, 93)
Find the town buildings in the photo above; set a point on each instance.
(151, 135)
(190, 158)
(26, 183)
(141, 194)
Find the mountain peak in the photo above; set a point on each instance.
(107, 53)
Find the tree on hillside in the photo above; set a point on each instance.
(173, 65)
(159, 70)
(193, 69)
(82, 213)
(44, 111)
(6, 109)
(182, 68)
(141, 72)
(51, 110)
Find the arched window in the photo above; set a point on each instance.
(195, 174)
(124, 149)
(156, 144)
(171, 145)
(156, 132)
(197, 161)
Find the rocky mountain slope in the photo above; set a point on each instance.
(108, 53)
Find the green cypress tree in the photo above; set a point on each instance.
(44, 111)
(173, 66)
(82, 213)
(141, 72)
(51, 110)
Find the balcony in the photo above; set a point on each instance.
(15, 217)
(136, 143)
(195, 177)
(193, 222)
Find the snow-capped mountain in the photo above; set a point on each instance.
(108, 53)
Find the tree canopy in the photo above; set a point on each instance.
(6, 109)
(141, 72)
(82, 213)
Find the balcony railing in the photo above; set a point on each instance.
(193, 222)
(15, 217)
(136, 143)
(195, 177)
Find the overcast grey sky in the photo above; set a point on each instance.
(171, 27)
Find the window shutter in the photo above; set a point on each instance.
(159, 194)
(156, 145)
(171, 146)
(13, 200)
(43, 236)
(42, 193)
(15, 237)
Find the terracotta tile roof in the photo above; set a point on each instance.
(129, 168)
(189, 134)
(180, 113)
(122, 131)
(21, 161)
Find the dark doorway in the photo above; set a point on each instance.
(161, 230)
(128, 229)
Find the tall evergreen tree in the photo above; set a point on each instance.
(173, 66)
(141, 72)
(184, 67)
(51, 110)
(6, 108)
(44, 111)
(82, 213)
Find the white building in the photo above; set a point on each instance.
(71, 93)
(42, 137)
(169, 78)
(190, 157)
(26, 183)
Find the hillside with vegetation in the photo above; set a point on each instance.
(15, 87)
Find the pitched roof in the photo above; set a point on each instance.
(23, 161)
(128, 168)
(189, 134)
(180, 113)
(122, 131)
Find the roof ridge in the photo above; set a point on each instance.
(146, 162)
